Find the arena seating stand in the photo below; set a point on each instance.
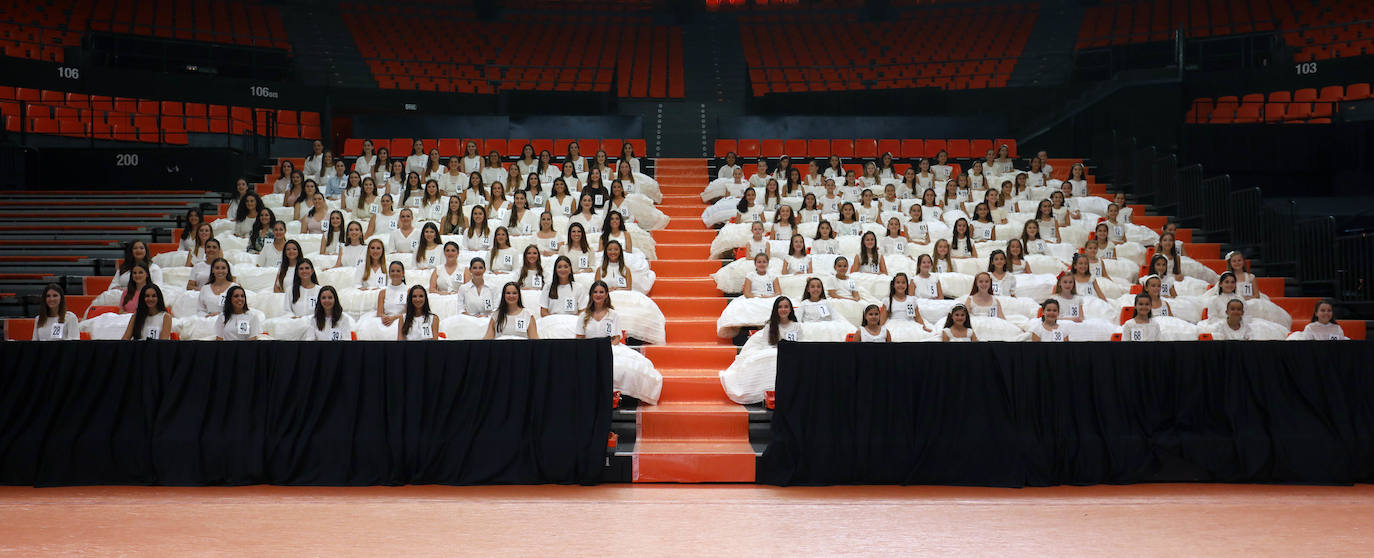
(41, 30)
(627, 54)
(1307, 105)
(945, 47)
(508, 148)
(80, 115)
(1316, 29)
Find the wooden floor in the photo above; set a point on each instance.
(679, 520)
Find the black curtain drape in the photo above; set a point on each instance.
(353, 413)
(1019, 414)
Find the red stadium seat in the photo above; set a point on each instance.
(794, 148)
(612, 147)
(819, 148)
(588, 146)
(866, 148)
(560, 147)
(749, 148)
(1010, 143)
(979, 148)
(497, 145)
(771, 149)
(450, 147)
(890, 146)
(541, 145)
(725, 146)
(958, 148)
(641, 147)
(933, 148)
(912, 149)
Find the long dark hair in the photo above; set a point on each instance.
(1314, 309)
(606, 226)
(190, 228)
(296, 279)
(129, 288)
(954, 234)
(334, 315)
(339, 233)
(282, 267)
(501, 306)
(968, 317)
(141, 312)
(1148, 300)
(255, 234)
(62, 306)
(865, 253)
(424, 245)
(591, 303)
(553, 283)
(892, 289)
(242, 212)
(410, 309)
(229, 303)
(129, 260)
(773, 318)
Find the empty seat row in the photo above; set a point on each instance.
(862, 148)
(1308, 105)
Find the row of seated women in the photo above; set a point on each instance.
(754, 371)
(405, 312)
(427, 180)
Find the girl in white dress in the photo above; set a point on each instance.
(512, 320)
(239, 323)
(1234, 328)
(925, 284)
(574, 159)
(563, 297)
(754, 371)
(249, 207)
(528, 161)
(419, 324)
(546, 238)
(531, 274)
(1236, 264)
(1003, 280)
(961, 242)
(476, 191)
(796, 262)
(901, 309)
(761, 284)
(431, 206)
(560, 199)
(502, 256)
(825, 241)
(151, 319)
(477, 237)
(1031, 240)
(613, 229)
(1084, 281)
(613, 269)
(195, 253)
(1323, 326)
(929, 209)
(728, 168)
(845, 288)
(984, 226)
(1016, 257)
(1066, 292)
(286, 264)
(391, 301)
(200, 273)
(958, 326)
(418, 159)
(810, 211)
(372, 272)
(848, 223)
(587, 216)
(384, 221)
(498, 208)
(136, 252)
(1159, 268)
(1096, 265)
(427, 255)
(472, 159)
(869, 259)
(917, 229)
(784, 222)
(748, 208)
(448, 277)
(454, 178)
(365, 162)
(634, 375)
(578, 250)
(981, 302)
(1048, 328)
(872, 329)
(522, 221)
(1158, 306)
(893, 243)
(54, 322)
(305, 290)
(364, 203)
(352, 253)
(492, 169)
(1140, 327)
(211, 298)
(330, 322)
(758, 243)
(941, 254)
(813, 306)
(331, 238)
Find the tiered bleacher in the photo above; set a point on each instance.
(628, 54)
(1307, 105)
(949, 48)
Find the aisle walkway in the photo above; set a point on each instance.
(694, 434)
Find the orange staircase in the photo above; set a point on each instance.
(695, 433)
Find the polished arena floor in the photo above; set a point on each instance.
(680, 520)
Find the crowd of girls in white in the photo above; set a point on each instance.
(421, 247)
(934, 252)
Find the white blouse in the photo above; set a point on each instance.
(478, 301)
(341, 330)
(815, 311)
(303, 306)
(240, 327)
(517, 325)
(570, 300)
(421, 328)
(1055, 335)
(761, 285)
(210, 302)
(65, 330)
(607, 326)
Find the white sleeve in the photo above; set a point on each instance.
(579, 327)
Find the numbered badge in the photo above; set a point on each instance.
(243, 327)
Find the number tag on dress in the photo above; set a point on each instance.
(824, 310)
(569, 304)
(901, 247)
(414, 244)
(1247, 289)
(372, 208)
(582, 262)
(790, 336)
(911, 310)
(1137, 335)
(986, 233)
(1058, 335)
(931, 288)
(154, 332)
(1117, 231)
(508, 259)
(996, 289)
(392, 225)
(58, 329)
(426, 331)
(324, 227)
(608, 329)
(852, 285)
(1073, 311)
(620, 281)
(242, 327)
(538, 281)
(830, 248)
(520, 324)
(486, 303)
(567, 211)
(768, 288)
(526, 229)
(597, 200)
(486, 242)
(335, 335)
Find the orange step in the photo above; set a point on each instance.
(692, 356)
(694, 330)
(691, 306)
(693, 420)
(701, 237)
(686, 268)
(703, 287)
(680, 251)
(694, 461)
(702, 388)
(681, 211)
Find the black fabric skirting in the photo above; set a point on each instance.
(352, 413)
(1022, 414)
